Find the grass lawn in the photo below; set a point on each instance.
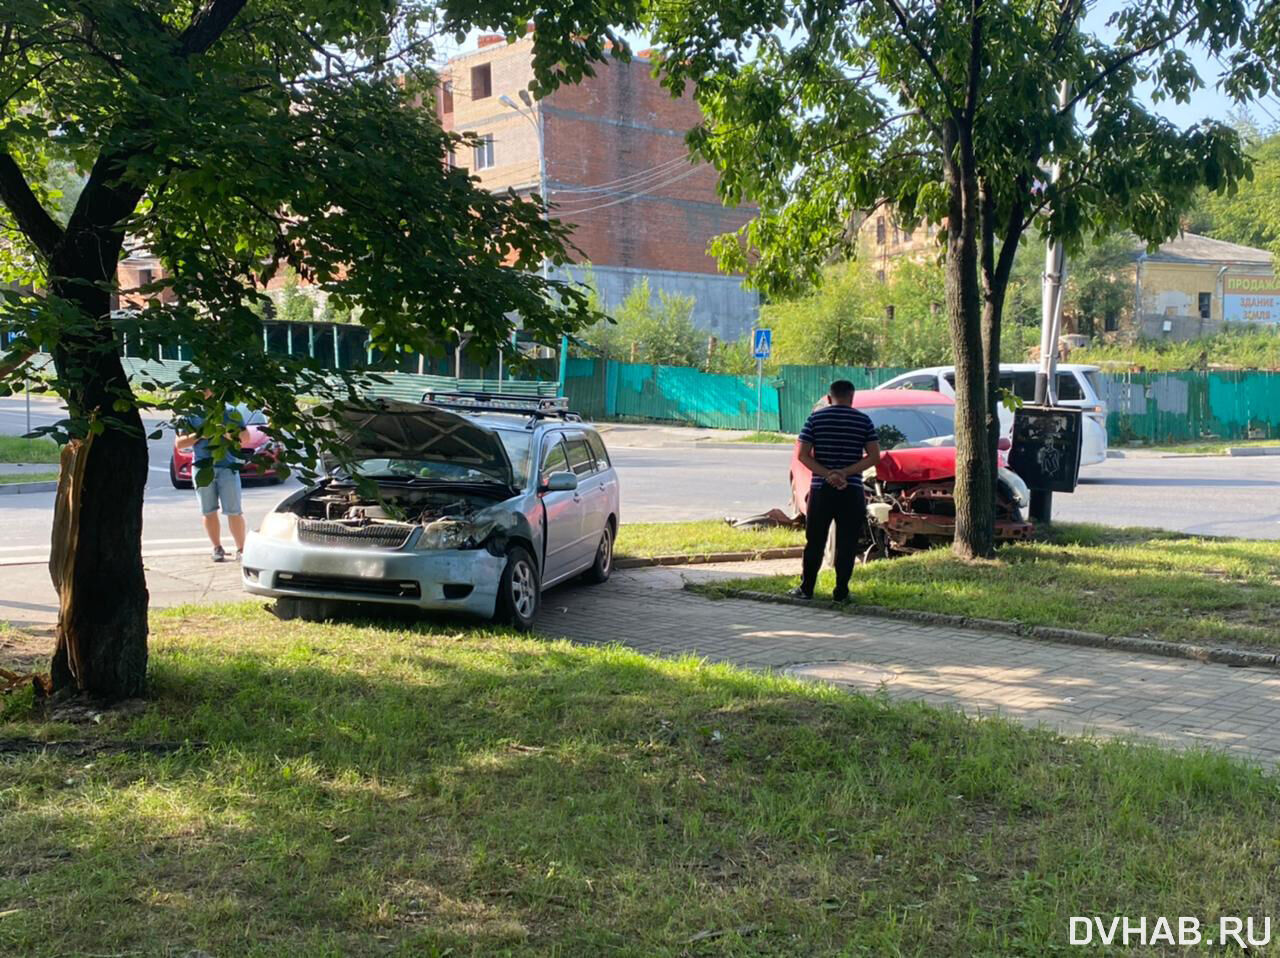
(350, 789)
(1131, 582)
(1215, 447)
(767, 437)
(8, 478)
(646, 539)
(17, 449)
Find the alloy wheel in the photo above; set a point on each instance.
(523, 595)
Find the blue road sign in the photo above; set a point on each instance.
(761, 343)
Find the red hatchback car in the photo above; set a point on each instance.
(910, 493)
(180, 460)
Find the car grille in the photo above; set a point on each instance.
(390, 588)
(377, 535)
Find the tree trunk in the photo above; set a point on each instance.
(993, 291)
(96, 554)
(974, 494)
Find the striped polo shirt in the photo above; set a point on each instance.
(839, 435)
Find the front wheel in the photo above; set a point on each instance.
(599, 573)
(519, 591)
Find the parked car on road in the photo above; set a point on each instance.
(1077, 388)
(260, 445)
(478, 504)
(911, 492)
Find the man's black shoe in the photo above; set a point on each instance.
(799, 593)
(840, 595)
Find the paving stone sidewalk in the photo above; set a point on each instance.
(1075, 690)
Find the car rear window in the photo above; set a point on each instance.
(580, 459)
(905, 425)
(1069, 388)
(597, 447)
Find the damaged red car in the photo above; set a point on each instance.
(911, 493)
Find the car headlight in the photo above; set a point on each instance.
(279, 525)
(453, 534)
(1021, 494)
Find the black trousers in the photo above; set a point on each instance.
(847, 507)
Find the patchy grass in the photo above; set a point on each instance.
(1132, 582)
(647, 539)
(12, 478)
(1215, 447)
(17, 449)
(778, 438)
(372, 789)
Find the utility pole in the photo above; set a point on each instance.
(1052, 283)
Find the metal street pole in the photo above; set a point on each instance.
(759, 390)
(1055, 265)
(27, 380)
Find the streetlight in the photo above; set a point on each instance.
(534, 116)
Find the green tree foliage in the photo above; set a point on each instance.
(294, 305)
(644, 331)
(1249, 214)
(231, 137)
(949, 109)
(1243, 349)
(1100, 280)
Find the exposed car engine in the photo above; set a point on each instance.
(341, 516)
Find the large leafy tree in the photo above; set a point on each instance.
(230, 137)
(950, 111)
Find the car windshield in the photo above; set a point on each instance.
(519, 446)
(433, 470)
(898, 426)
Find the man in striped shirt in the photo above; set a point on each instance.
(838, 444)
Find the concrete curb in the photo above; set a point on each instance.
(18, 488)
(788, 552)
(1240, 658)
(1253, 450)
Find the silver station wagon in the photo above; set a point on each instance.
(481, 503)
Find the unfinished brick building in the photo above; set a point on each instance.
(614, 166)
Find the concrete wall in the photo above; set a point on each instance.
(722, 307)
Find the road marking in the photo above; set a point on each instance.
(37, 559)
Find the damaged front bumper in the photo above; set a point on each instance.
(457, 580)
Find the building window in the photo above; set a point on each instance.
(1109, 323)
(880, 276)
(880, 230)
(446, 97)
(453, 160)
(906, 234)
(1205, 300)
(896, 237)
(888, 313)
(481, 82)
(484, 153)
(144, 277)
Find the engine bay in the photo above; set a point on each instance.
(345, 505)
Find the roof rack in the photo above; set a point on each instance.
(538, 408)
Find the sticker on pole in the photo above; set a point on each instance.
(761, 343)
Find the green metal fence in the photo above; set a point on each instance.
(1188, 406)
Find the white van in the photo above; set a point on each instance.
(1077, 387)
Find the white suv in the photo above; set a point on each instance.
(1077, 388)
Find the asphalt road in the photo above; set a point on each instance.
(1209, 496)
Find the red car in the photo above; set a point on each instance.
(911, 493)
(180, 460)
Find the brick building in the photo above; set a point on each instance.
(613, 165)
(885, 242)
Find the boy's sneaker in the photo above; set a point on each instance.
(219, 554)
(239, 555)
(799, 593)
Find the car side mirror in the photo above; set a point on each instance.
(559, 482)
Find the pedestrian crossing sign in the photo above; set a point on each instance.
(761, 343)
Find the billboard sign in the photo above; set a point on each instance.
(1251, 299)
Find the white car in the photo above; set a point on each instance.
(1077, 388)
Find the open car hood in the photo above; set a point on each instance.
(402, 430)
(920, 464)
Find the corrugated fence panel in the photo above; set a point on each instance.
(1188, 406)
(800, 387)
(679, 394)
